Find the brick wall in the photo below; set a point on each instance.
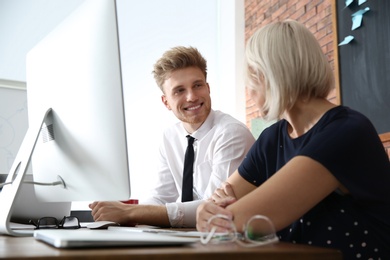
(386, 142)
(315, 14)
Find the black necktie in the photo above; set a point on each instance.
(188, 171)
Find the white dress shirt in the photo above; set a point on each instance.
(221, 144)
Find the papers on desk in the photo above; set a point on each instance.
(18, 226)
(154, 230)
(22, 229)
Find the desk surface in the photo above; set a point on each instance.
(28, 247)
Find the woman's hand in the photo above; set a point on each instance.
(223, 195)
(209, 209)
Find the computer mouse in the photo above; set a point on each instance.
(101, 224)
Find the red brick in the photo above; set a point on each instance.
(315, 14)
(282, 9)
(297, 14)
(308, 15)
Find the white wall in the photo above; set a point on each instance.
(147, 29)
(22, 24)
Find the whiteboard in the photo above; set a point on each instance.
(13, 121)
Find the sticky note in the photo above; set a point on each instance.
(362, 2)
(348, 2)
(358, 17)
(346, 40)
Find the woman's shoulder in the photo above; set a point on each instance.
(346, 112)
(270, 136)
(274, 129)
(347, 117)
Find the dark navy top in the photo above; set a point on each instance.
(347, 144)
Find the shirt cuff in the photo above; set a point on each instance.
(182, 214)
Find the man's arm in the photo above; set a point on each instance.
(128, 214)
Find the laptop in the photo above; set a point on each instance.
(83, 238)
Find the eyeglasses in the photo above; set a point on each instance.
(258, 231)
(69, 222)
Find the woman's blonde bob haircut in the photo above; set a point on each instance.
(286, 59)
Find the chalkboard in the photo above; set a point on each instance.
(364, 63)
(13, 121)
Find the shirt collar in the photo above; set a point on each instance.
(204, 128)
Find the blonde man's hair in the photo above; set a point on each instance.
(288, 60)
(178, 58)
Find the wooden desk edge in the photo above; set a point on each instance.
(28, 247)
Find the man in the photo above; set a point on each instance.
(220, 143)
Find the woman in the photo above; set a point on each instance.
(320, 173)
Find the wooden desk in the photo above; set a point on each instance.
(28, 247)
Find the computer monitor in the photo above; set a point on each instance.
(76, 72)
(77, 131)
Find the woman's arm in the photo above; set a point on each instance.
(235, 187)
(287, 195)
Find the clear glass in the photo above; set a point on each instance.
(258, 231)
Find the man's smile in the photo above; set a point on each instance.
(193, 107)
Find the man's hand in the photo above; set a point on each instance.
(112, 211)
(130, 214)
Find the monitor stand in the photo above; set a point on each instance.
(16, 175)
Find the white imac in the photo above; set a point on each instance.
(77, 131)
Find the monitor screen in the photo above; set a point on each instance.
(75, 71)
